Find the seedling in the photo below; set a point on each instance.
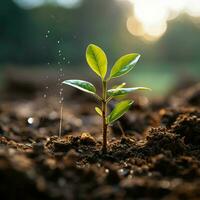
(97, 60)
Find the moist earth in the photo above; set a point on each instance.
(158, 157)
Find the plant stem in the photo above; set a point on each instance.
(104, 114)
(121, 129)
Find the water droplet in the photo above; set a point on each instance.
(58, 42)
(45, 96)
(165, 184)
(123, 172)
(149, 174)
(53, 115)
(47, 87)
(46, 36)
(48, 31)
(30, 120)
(61, 69)
(130, 176)
(68, 62)
(98, 165)
(64, 58)
(59, 51)
(59, 63)
(107, 171)
(61, 100)
(48, 63)
(61, 182)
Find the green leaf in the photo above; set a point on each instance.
(81, 85)
(124, 64)
(119, 86)
(97, 60)
(98, 110)
(119, 110)
(124, 91)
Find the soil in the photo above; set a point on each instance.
(158, 158)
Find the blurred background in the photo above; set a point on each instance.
(50, 36)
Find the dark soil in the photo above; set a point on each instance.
(159, 158)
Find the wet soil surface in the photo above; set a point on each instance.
(158, 158)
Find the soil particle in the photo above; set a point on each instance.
(188, 126)
(168, 116)
(193, 95)
(161, 140)
(63, 144)
(38, 148)
(87, 139)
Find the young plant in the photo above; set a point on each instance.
(97, 60)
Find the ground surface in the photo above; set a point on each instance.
(158, 159)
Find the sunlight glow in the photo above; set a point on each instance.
(29, 4)
(69, 3)
(193, 9)
(151, 17)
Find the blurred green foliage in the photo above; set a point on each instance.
(23, 32)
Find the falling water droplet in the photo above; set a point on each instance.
(58, 42)
(64, 58)
(68, 62)
(30, 120)
(48, 31)
(107, 171)
(98, 165)
(61, 99)
(59, 53)
(46, 36)
(45, 96)
(130, 176)
(123, 172)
